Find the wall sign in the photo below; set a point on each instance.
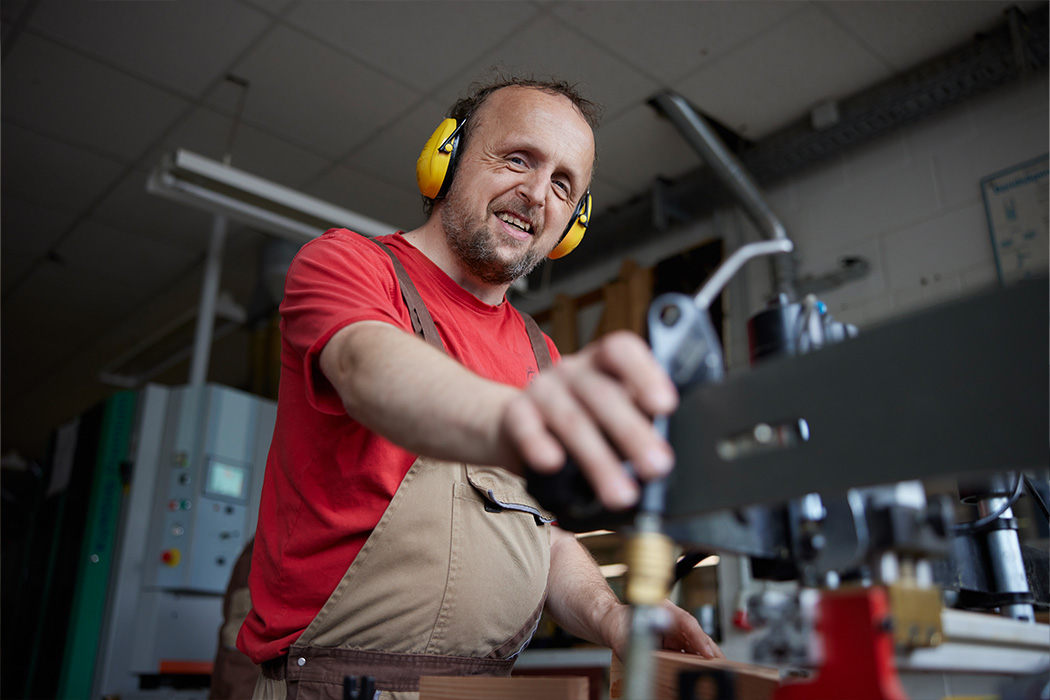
(1016, 202)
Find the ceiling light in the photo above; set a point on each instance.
(197, 181)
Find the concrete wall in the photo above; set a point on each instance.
(911, 204)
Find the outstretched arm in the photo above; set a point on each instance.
(596, 405)
(580, 600)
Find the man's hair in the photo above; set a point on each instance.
(478, 92)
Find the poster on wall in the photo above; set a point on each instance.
(1016, 202)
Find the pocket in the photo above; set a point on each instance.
(506, 490)
(499, 559)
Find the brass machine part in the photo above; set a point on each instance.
(916, 614)
(650, 560)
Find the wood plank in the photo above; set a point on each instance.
(748, 681)
(503, 688)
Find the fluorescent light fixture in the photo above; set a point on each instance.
(199, 182)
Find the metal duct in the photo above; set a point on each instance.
(725, 165)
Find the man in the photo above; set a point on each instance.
(384, 547)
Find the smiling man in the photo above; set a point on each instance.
(396, 538)
(516, 186)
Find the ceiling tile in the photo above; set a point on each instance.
(29, 229)
(130, 207)
(338, 107)
(688, 34)
(904, 34)
(90, 104)
(433, 38)
(392, 154)
(122, 257)
(638, 146)
(399, 207)
(73, 297)
(52, 173)
(274, 7)
(12, 268)
(183, 45)
(780, 76)
(599, 75)
(207, 133)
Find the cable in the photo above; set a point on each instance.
(688, 560)
(987, 520)
(1036, 496)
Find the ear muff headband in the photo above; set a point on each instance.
(581, 219)
(437, 162)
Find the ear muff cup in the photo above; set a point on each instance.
(581, 219)
(437, 162)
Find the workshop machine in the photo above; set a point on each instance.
(178, 479)
(192, 505)
(813, 465)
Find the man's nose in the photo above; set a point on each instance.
(533, 187)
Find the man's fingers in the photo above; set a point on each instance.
(686, 634)
(630, 431)
(597, 408)
(575, 425)
(530, 438)
(627, 358)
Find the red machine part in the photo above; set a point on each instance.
(853, 625)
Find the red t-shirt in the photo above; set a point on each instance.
(319, 500)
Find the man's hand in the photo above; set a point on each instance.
(598, 406)
(682, 634)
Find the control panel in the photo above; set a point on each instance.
(211, 467)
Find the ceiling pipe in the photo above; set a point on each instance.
(702, 137)
(209, 297)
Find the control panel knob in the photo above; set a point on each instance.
(171, 557)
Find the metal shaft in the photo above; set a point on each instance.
(1004, 549)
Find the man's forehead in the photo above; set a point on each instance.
(527, 114)
(512, 98)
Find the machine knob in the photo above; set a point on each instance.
(171, 557)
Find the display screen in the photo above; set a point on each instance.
(226, 480)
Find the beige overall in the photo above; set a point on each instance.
(452, 580)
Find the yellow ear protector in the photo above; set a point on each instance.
(437, 162)
(437, 165)
(581, 218)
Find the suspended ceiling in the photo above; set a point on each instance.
(335, 99)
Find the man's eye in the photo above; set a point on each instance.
(516, 160)
(563, 186)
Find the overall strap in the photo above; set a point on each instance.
(539, 343)
(422, 323)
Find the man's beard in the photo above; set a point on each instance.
(474, 244)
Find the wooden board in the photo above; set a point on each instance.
(503, 688)
(748, 682)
